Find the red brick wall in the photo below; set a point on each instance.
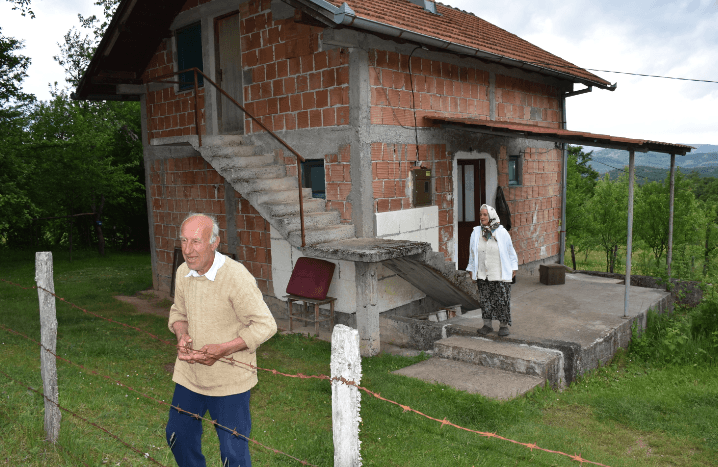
(536, 204)
(180, 186)
(438, 87)
(294, 85)
(515, 97)
(391, 169)
(170, 113)
(254, 246)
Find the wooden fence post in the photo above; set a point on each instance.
(48, 339)
(346, 363)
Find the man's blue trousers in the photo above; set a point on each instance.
(184, 432)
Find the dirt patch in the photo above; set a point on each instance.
(149, 301)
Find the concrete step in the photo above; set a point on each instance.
(475, 379)
(312, 220)
(279, 209)
(546, 364)
(229, 151)
(323, 235)
(237, 164)
(223, 140)
(279, 196)
(265, 184)
(252, 173)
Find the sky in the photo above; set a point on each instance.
(660, 37)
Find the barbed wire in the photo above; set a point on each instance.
(130, 388)
(64, 409)
(406, 408)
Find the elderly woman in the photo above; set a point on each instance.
(493, 264)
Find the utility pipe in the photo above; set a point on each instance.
(629, 242)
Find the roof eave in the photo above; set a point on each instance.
(345, 16)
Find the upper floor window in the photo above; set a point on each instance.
(514, 170)
(189, 54)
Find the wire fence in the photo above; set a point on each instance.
(233, 362)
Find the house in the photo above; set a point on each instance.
(409, 113)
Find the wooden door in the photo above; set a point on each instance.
(228, 52)
(471, 194)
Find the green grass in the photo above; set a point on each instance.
(628, 413)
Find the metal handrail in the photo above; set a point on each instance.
(195, 70)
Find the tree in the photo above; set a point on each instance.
(581, 181)
(16, 210)
(607, 215)
(652, 211)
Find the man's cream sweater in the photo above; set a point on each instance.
(219, 311)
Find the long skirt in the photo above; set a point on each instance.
(495, 300)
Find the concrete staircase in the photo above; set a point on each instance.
(437, 278)
(262, 180)
(496, 369)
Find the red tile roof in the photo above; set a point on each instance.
(460, 27)
(562, 136)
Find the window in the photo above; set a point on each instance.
(313, 177)
(189, 54)
(514, 170)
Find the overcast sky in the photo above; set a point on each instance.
(652, 37)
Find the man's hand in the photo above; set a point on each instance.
(184, 348)
(209, 354)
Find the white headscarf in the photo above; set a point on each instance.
(494, 222)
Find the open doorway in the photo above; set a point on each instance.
(470, 195)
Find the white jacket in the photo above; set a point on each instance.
(509, 260)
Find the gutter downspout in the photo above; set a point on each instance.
(564, 177)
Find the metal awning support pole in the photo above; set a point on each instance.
(669, 252)
(629, 242)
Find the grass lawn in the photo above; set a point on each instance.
(623, 414)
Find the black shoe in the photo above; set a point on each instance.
(504, 331)
(485, 330)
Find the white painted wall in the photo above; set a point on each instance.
(393, 291)
(492, 183)
(418, 224)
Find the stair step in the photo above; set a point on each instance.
(312, 220)
(546, 364)
(265, 184)
(475, 379)
(280, 209)
(223, 140)
(241, 162)
(281, 196)
(322, 235)
(230, 151)
(252, 173)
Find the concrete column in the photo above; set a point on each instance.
(362, 193)
(629, 241)
(492, 95)
(230, 208)
(367, 313)
(346, 364)
(669, 253)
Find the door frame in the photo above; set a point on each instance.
(492, 182)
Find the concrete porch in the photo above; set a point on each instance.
(559, 332)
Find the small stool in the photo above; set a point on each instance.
(306, 301)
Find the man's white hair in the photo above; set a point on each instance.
(215, 225)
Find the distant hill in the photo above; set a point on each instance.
(651, 174)
(703, 159)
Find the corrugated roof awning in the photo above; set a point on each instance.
(520, 130)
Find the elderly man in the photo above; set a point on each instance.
(218, 312)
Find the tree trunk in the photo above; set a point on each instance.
(69, 221)
(613, 258)
(98, 226)
(706, 259)
(573, 256)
